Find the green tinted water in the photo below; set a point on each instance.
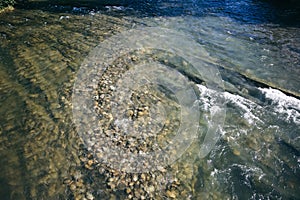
(40, 151)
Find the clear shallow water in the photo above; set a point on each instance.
(257, 156)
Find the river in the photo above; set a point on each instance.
(217, 83)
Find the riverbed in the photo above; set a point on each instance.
(219, 75)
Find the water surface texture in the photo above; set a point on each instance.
(255, 47)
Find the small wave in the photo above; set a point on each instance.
(280, 102)
(244, 104)
(115, 8)
(283, 104)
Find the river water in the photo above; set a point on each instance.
(253, 45)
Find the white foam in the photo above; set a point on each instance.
(205, 97)
(283, 104)
(115, 8)
(64, 17)
(246, 105)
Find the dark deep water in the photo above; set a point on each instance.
(255, 45)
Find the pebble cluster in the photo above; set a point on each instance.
(118, 184)
(153, 116)
(134, 121)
